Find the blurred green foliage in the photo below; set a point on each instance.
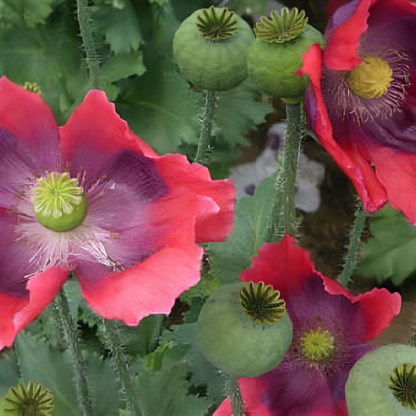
(391, 251)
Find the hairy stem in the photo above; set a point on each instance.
(207, 122)
(85, 26)
(72, 336)
(291, 155)
(233, 390)
(113, 343)
(354, 245)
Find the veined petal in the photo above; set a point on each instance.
(377, 307)
(195, 179)
(343, 33)
(95, 133)
(352, 162)
(17, 313)
(16, 168)
(285, 266)
(10, 306)
(152, 285)
(25, 115)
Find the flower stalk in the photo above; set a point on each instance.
(291, 156)
(207, 122)
(233, 391)
(72, 337)
(354, 244)
(84, 21)
(112, 341)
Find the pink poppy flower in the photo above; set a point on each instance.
(330, 327)
(135, 251)
(362, 99)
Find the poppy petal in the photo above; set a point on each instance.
(17, 313)
(351, 161)
(285, 266)
(195, 179)
(31, 121)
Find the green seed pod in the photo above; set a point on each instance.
(244, 329)
(33, 400)
(210, 49)
(276, 53)
(383, 383)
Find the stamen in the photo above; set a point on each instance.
(317, 345)
(341, 102)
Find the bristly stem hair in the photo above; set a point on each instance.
(354, 244)
(87, 36)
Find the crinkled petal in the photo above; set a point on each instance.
(95, 133)
(17, 313)
(285, 266)
(378, 307)
(352, 355)
(25, 115)
(308, 293)
(15, 258)
(333, 6)
(294, 393)
(351, 156)
(151, 286)
(195, 179)
(16, 167)
(342, 35)
(10, 306)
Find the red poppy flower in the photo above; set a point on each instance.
(135, 251)
(330, 327)
(362, 99)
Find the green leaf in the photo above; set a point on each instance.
(196, 295)
(28, 11)
(9, 372)
(122, 66)
(251, 230)
(165, 392)
(391, 252)
(203, 372)
(161, 109)
(41, 363)
(239, 110)
(121, 27)
(54, 369)
(142, 339)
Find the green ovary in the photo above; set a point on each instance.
(58, 202)
(317, 345)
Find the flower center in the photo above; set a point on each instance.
(261, 303)
(317, 345)
(371, 79)
(59, 203)
(403, 385)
